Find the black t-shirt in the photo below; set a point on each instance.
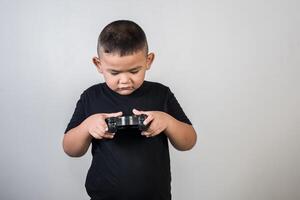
(129, 166)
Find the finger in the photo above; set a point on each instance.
(140, 112)
(145, 133)
(148, 119)
(100, 129)
(96, 135)
(102, 126)
(136, 112)
(150, 135)
(99, 133)
(109, 135)
(117, 114)
(148, 132)
(103, 132)
(147, 113)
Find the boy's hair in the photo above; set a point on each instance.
(123, 37)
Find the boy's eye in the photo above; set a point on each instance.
(134, 71)
(114, 73)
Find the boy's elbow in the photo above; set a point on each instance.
(184, 148)
(191, 142)
(69, 150)
(72, 153)
(188, 145)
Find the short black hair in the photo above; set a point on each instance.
(123, 37)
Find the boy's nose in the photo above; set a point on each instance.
(124, 79)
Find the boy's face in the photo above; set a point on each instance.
(124, 74)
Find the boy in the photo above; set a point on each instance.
(128, 164)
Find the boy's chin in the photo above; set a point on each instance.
(125, 92)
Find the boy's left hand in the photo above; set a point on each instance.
(158, 121)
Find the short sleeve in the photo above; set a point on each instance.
(174, 109)
(79, 114)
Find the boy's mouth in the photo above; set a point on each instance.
(126, 88)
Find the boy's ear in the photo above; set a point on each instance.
(150, 58)
(97, 63)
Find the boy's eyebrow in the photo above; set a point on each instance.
(131, 69)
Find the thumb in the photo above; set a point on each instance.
(137, 112)
(117, 114)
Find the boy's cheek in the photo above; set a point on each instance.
(110, 80)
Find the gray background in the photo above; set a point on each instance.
(233, 65)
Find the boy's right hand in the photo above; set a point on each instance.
(97, 127)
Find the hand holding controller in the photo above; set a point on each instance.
(123, 122)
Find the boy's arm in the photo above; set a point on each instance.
(181, 135)
(76, 141)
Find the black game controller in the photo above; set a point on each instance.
(124, 122)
